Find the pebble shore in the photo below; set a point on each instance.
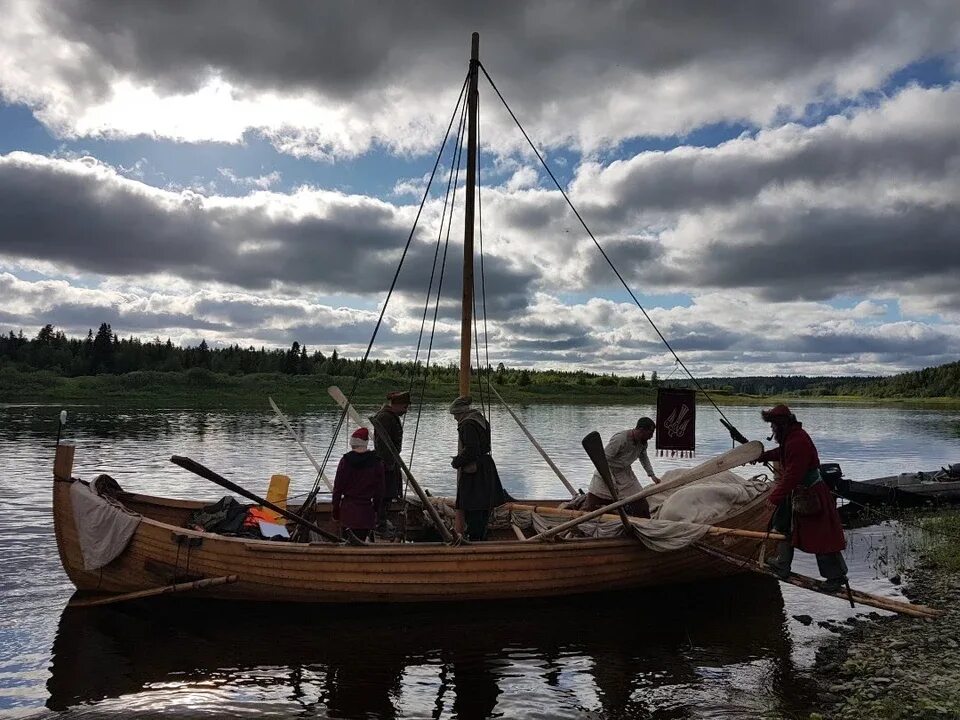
(895, 667)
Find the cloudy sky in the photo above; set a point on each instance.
(778, 182)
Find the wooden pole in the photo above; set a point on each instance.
(63, 462)
(740, 455)
(466, 317)
(208, 474)
(809, 583)
(178, 588)
(641, 522)
(341, 400)
(428, 506)
(286, 424)
(532, 439)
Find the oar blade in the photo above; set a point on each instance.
(593, 444)
(340, 399)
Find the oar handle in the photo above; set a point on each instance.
(208, 474)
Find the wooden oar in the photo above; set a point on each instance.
(740, 455)
(178, 588)
(593, 444)
(543, 453)
(384, 438)
(208, 474)
(641, 522)
(293, 433)
(809, 583)
(340, 399)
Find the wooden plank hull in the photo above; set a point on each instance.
(906, 490)
(161, 552)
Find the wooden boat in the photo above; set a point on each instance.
(903, 490)
(162, 554)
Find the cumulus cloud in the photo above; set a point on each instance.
(222, 317)
(84, 215)
(724, 333)
(332, 80)
(759, 236)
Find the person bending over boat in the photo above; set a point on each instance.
(388, 417)
(805, 511)
(358, 489)
(478, 482)
(625, 447)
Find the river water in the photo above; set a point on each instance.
(726, 649)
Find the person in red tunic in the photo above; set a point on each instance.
(358, 488)
(805, 511)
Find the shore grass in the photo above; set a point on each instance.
(201, 388)
(942, 549)
(896, 667)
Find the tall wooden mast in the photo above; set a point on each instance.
(468, 214)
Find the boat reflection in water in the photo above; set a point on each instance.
(674, 653)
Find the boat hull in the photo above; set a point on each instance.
(906, 490)
(161, 553)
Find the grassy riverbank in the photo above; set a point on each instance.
(896, 667)
(201, 388)
(204, 389)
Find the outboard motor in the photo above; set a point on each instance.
(831, 473)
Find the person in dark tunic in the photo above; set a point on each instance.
(805, 511)
(478, 482)
(358, 488)
(398, 402)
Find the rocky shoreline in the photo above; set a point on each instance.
(896, 667)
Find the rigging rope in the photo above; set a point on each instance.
(436, 253)
(386, 302)
(453, 180)
(727, 423)
(483, 277)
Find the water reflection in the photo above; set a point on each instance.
(622, 655)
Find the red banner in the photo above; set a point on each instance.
(676, 422)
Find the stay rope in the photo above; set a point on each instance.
(726, 421)
(483, 281)
(452, 182)
(386, 302)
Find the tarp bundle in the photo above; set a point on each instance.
(679, 517)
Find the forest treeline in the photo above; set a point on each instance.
(939, 381)
(104, 352)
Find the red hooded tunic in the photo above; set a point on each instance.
(797, 455)
(358, 490)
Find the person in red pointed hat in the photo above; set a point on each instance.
(358, 489)
(805, 511)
